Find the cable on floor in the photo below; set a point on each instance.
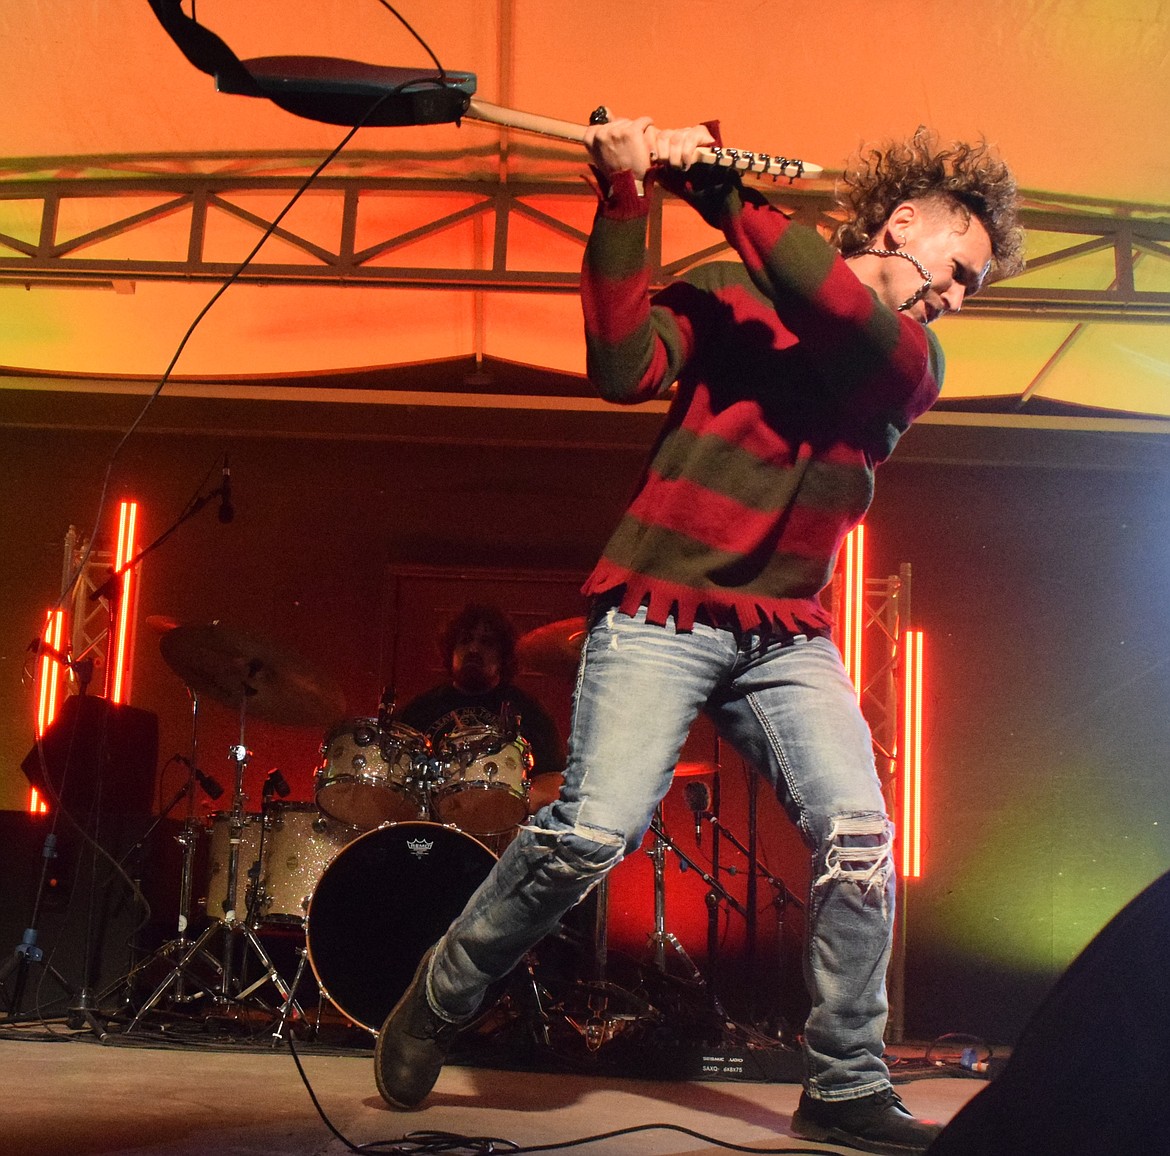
(426, 1143)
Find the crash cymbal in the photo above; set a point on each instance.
(162, 623)
(554, 648)
(692, 770)
(233, 667)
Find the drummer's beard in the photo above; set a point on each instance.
(474, 676)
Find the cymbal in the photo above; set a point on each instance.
(692, 770)
(554, 648)
(162, 623)
(233, 667)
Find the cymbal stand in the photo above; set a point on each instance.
(188, 839)
(230, 924)
(609, 1009)
(127, 982)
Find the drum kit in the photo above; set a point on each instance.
(402, 829)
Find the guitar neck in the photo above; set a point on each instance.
(764, 164)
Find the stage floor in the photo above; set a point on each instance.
(65, 1093)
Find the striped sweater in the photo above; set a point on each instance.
(792, 383)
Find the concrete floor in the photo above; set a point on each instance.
(65, 1093)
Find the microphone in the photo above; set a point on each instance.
(213, 788)
(276, 783)
(386, 706)
(698, 799)
(226, 510)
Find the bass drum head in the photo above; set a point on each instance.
(380, 904)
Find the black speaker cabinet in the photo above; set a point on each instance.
(100, 757)
(1090, 1075)
(97, 764)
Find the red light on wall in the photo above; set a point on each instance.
(853, 610)
(120, 636)
(36, 805)
(910, 754)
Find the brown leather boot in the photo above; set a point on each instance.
(412, 1045)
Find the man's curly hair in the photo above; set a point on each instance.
(970, 177)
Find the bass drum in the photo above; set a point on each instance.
(380, 904)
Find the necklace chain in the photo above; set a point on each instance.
(923, 272)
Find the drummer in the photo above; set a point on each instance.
(479, 654)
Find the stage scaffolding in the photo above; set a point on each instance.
(885, 619)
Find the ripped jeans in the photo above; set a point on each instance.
(787, 706)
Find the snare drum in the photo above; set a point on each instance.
(485, 779)
(380, 904)
(249, 876)
(367, 774)
(298, 846)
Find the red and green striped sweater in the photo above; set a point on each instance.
(792, 383)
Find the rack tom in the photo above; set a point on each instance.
(367, 774)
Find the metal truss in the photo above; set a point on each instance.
(139, 208)
(885, 618)
(90, 618)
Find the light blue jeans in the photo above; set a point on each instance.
(789, 709)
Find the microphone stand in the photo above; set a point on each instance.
(80, 1008)
(106, 589)
(180, 945)
(133, 858)
(782, 896)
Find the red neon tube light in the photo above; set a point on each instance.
(853, 611)
(911, 754)
(120, 638)
(49, 671)
(48, 683)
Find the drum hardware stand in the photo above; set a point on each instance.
(133, 859)
(229, 924)
(256, 896)
(598, 1025)
(28, 951)
(601, 1025)
(782, 896)
(187, 839)
(290, 1004)
(542, 1028)
(660, 938)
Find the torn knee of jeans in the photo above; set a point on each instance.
(859, 849)
(582, 850)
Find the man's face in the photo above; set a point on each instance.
(955, 248)
(475, 660)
